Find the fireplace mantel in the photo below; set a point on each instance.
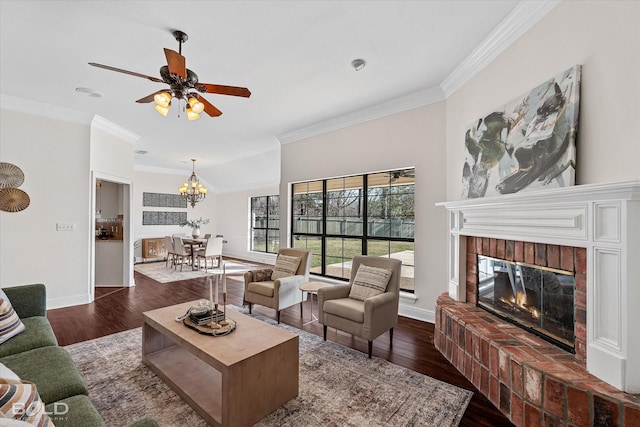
(604, 219)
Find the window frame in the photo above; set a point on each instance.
(267, 229)
(324, 235)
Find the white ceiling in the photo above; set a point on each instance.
(294, 56)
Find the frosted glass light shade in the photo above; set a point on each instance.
(196, 106)
(163, 99)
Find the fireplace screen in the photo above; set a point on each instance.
(540, 299)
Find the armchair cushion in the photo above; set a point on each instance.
(369, 281)
(10, 323)
(264, 287)
(347, 308)
(285, 266)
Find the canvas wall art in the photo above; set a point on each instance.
(161, 200)
(163, 218)
(529, 143)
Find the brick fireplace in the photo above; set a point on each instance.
(591, 230)
(567, 258)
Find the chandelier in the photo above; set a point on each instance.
(192, 190)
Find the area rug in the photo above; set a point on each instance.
(158, 272)
(339, 386)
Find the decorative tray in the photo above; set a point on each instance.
(208, 330)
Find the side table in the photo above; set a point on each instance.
(312, 289)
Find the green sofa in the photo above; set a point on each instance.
(34, 355)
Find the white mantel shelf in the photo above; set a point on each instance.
(604, 219)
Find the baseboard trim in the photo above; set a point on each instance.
(53, 303)
(417, 313)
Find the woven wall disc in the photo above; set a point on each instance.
(11, 176)
(13, 200)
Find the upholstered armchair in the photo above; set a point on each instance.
(367, 306)
(278, 287)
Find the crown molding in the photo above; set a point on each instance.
(41, 109)
(113, 129)
(524, 16)
(387, 108)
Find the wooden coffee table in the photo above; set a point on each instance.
(231, 380)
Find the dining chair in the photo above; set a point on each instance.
(181, 252)
(171, 253)
(212, 250)
(207, 236)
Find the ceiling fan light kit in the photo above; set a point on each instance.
(163, 99)
(191, 115)
(196, 106)
(183, 85)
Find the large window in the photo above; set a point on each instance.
(339, 218)
(265, 224)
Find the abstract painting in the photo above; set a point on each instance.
(529, 143)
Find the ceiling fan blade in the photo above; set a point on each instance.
(131, 73)
(209, 108)
(176, 62)
(224, 90)
(149, 98)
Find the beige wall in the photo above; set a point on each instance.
(411, 138)
(54, 157)
(602, 36)
(233, 217)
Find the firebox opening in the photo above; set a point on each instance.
(538, 299)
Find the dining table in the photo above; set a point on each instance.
(193, 244)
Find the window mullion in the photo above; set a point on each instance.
(323, 246)
(365, 214)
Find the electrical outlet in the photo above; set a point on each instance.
(66, 226)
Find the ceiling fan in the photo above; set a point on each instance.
(183, 84)
(404, 173)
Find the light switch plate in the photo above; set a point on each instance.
(66, 226)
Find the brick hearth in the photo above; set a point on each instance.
(531, 381)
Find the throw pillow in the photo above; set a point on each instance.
(10, 323)
(369, 281)
(7, 373)
(262, 275)
(285, 266)
(19, 400)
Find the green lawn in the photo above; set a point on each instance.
(340, 250)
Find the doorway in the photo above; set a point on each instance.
(111, 234)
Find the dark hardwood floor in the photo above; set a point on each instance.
(119, 309)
